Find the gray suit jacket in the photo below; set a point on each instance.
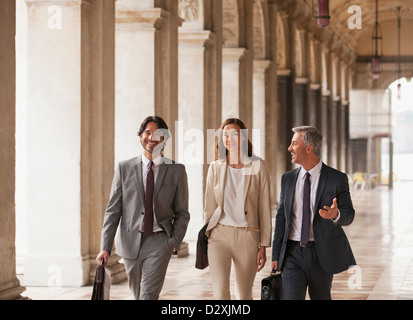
(125, 210)
(332, 247)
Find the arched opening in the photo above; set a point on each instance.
(402, 128)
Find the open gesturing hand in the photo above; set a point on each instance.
(329, 212)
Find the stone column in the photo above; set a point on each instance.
(70, 93)
(286, 100)
(314, 107)
(301, 102)
(99, 163)
(339, 133)
(200, 60)
(9, 284)
(237, 69)
(335, 109)
(21, 136)
(262, 97)
(334, 131)
(232, 79)
(273, 149)
(325, 127)
(344, 136)
(347, 137)
(315, 73)
(146, 69)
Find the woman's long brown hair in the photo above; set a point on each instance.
(220, 151)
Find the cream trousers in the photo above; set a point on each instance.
(227, 245)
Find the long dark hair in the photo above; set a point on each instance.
(220, 151)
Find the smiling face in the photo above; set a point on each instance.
(299, 152)
(151, 139)
(231, 134)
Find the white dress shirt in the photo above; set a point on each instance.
(296, 219)
(145, 169)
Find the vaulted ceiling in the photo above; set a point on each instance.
(360, 40)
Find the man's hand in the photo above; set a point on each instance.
(274, 265)
(261, 258)
(103, 255)
(329, 212)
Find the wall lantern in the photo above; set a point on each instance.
(323, 13)
(399, 71)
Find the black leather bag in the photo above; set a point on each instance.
(101, 284)
(201, 261)
(271, 287)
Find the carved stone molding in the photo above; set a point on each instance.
(261, 66)
(196, 38)
(145, 18)
(234, 54)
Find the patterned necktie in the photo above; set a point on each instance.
(148, 218)
(305, 227)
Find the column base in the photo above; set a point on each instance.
(13, 293)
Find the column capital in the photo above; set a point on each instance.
(284, 72)
(234, 54)
(145, 18)
(326, 93)
(315, 86)
(260, 66)
(60, 3)
(301, 80)
(196, 38)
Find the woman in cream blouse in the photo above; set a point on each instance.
(237, 207)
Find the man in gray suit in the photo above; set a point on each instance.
(148, 207)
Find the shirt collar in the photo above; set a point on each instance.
(156, 161)
(313, 172)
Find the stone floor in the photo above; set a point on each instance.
(381, 237)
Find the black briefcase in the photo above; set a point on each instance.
(201, 261)
(101, 284)
(271, 287)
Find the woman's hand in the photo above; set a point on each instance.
(261, 258)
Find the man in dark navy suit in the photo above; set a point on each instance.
(309, 244)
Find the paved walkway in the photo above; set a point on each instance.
(381, 237)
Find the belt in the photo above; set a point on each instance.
(242, 228)
(143, 234)
(309, 243)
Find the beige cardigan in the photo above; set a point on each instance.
(257, 204)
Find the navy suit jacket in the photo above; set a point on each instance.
(333, 249)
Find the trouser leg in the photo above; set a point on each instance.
(227, 245)
(294, 280)
(319, 282)
(301, 269)
(219, 258)
(245, 263)
(147, 272)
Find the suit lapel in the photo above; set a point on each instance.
(222, 177)
(289, 202)
(321, 184)
(139, 180)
